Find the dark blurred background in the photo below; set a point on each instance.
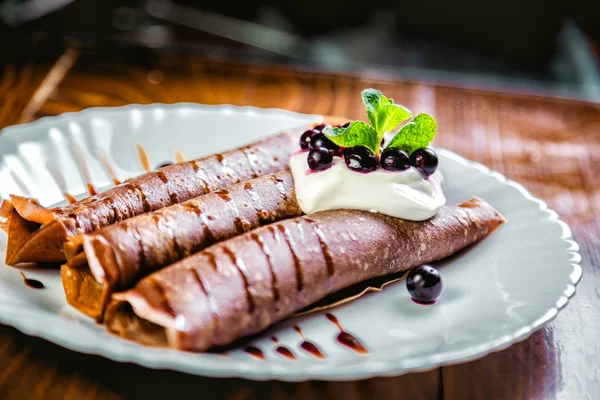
(527, 46)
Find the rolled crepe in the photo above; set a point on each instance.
(118, 256)
(37, 234)
(241, 286)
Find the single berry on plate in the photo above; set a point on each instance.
(305, 139)
(167, 163)
(319, 140)
(319, 159)
(395, 160)
(360, 159)
(425, 160)
(424, 284)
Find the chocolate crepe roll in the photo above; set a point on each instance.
(37, 234)
(243, 285)
(118, 256)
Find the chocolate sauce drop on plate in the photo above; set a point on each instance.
(311, 348)
(91, 189)
(178, 156)
(345, 338)
(307, 346)
(284, 351)
(70, 198)
(143, 157)
(32, 283)
(255, 352)
(287, 353)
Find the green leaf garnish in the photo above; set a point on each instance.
(383, 114)
(357, 134)
(415, 135)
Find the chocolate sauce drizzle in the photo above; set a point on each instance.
(244, 273)
(287, 235)
(284, 351)
(145, 203)
(307, 346)
(345, 338)
(178, 156)
(251, 158)
(172, 195)
(32, 283)
(91, 189)
(162, 177)
(209, 238)
(141, 250)
(235, 212)
(267, 252)
(211, 301)
(257, 203)
(324, 247)
(143, 157)
(212, 260)
(164, 299)
(287, 353)
(279, 185)
(255, 352)
(70, 198)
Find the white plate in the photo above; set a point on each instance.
(495, 294)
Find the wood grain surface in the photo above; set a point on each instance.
(552, 146)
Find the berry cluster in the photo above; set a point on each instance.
(321, 151)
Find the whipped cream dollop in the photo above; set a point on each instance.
(406, 194)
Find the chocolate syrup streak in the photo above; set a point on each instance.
(70, 198)
(284, 351)
(32, 283)
(178, 156)
(307, 346)
(255, 352)
(345, 338)
(287, 353)
(143, 157)
(91, 189)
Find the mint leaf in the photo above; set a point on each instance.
(415, 135)
(382, 112)
(357, 134)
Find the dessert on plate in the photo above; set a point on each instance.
(372, 209)
(203, 253)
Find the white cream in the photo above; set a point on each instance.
(407, 194)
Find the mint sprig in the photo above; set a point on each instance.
(415, 135)
(383, 114)
(358, 133)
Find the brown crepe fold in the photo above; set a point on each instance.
(118, 256)
(37, 234)
(241, 286)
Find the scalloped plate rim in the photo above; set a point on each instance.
(133, 106)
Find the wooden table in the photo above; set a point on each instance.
(552, 146)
